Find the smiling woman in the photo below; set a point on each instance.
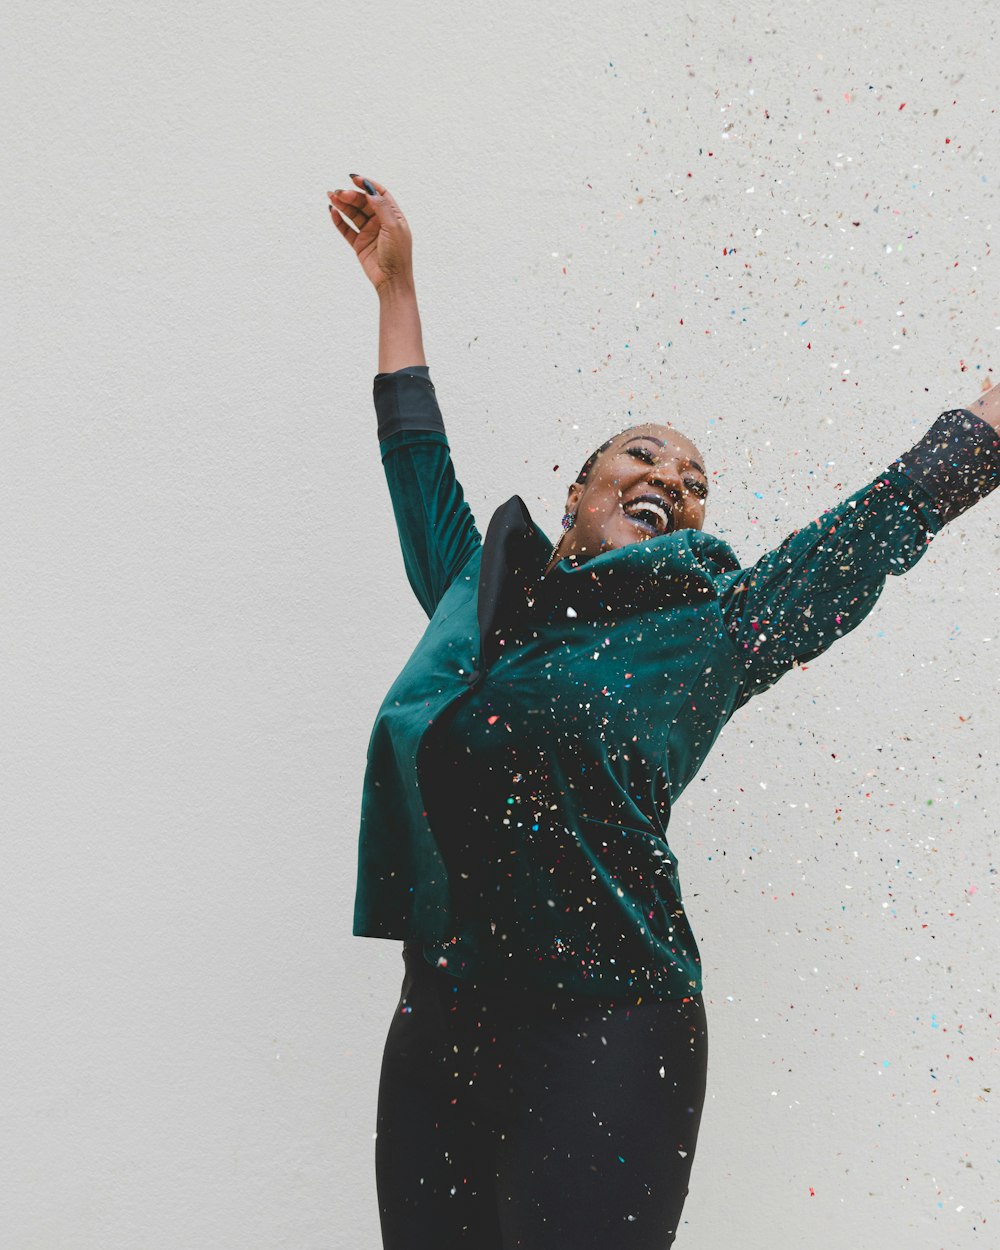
(646, 481)
(544, 1071)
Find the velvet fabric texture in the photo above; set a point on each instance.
(523, 766)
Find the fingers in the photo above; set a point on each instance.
(359, 207)
(371, 182)
(363, 199)
(356, 198)
(353, 204)
(383, 198)
(349, 234)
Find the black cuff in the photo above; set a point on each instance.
(405, 400)
(957, 462)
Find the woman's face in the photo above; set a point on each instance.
(650, 481)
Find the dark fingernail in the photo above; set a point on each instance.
(353, 175)
(368, 187)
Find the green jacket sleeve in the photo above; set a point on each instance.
(825, 578)
(437, 531)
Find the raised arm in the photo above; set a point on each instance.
(824, 579)
(987, 406)
(437, 531)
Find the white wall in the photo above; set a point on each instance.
(194, 642)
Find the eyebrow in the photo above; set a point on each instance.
(660, 443)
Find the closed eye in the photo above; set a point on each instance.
(646, 456)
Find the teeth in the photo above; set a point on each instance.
(650, 509)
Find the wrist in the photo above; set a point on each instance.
(400, 341)
(987, 406)
(397, 290)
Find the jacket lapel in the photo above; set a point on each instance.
(514, 552)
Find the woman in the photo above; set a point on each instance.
(543, 1075)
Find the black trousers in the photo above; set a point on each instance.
(516, 1120)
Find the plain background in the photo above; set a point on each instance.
(768, 224)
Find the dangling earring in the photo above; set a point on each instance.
(568, 521)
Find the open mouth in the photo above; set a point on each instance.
(648, 514)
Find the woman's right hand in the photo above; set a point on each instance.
(381, 236)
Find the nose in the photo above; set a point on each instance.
(668, 477)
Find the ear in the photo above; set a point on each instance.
(573, 497)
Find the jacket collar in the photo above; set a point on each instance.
(667, 571)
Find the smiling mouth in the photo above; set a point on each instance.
(648, 516)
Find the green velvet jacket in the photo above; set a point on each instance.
(523, 766)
